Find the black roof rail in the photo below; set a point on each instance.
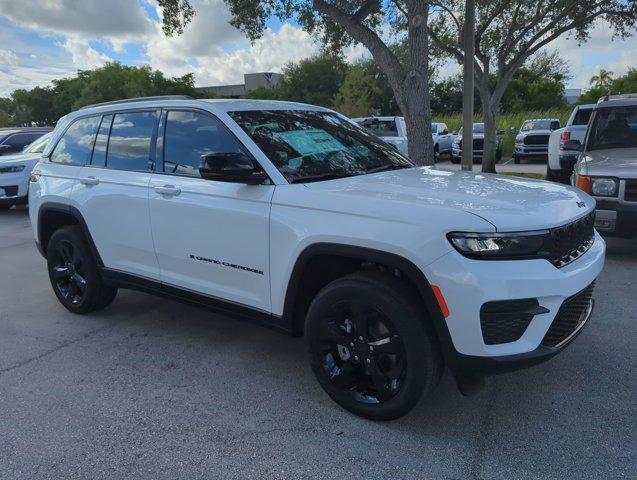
(139, 99)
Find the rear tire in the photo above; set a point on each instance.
(455, 160)
(74, 274)
(371, 345)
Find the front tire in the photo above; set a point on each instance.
(73, 272)
(516, 159)
(371, 345)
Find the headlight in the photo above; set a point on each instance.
(605, 187)
(12, 169)
(600, 186)
(519, 139)
(501, 245)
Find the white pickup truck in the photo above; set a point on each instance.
(560, 165)
(394, 131)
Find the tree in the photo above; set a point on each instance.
(264, 93)
(355, 97)
(603, 79)
(509, 32)
(314, 80)
(339, 23)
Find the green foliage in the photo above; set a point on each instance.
(355, 97)
(264, 93)
(603, 79)
(625, 84)
(113, 81)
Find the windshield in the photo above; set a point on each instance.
(381, 128)
(38, 145)
(311, 145)
(613, 128)
(477, 128)
(540, 125)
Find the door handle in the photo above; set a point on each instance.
(89, 181)
(168, 190)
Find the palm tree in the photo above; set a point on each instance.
(603, 79)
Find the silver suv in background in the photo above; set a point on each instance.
(607, 164)
(533, 139)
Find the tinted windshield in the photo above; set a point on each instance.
(613, 128)
(539, 125)
(381, 128)
(477, 128)
(39, 145)
(309, 145)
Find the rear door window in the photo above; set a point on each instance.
(99, 152)
(130, 141)
(74, 148)
(582, 116)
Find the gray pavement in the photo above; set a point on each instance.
(150, 388)
(505, 165)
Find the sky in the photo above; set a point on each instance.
(41, 40)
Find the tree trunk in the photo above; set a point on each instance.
(490, 137)
(416, 106)
(467, 87)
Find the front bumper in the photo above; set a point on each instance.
(531, 151)
(14, 187)
(468, 284)
(616, 218)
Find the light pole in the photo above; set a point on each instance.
(468, 40)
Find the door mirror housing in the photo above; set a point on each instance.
(573, 145)
(230, 167)
(444, 132)
(500, 132)
(513, 130)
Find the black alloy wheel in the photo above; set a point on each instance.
(67, 272)
(362, 353)
(74, 274)
(371, 346)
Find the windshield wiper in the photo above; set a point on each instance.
(386, 168)
(322, 176)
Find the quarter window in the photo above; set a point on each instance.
(130, 140)
(189, 136)
(75, 146)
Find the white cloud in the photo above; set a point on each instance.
(84, 56)
(8, 58)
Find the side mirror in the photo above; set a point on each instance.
(444, 132)
(500, 132)
(4, 148)
(230, 167)
(455, 133)
(513, 130)
(573, 145)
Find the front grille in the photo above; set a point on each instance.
(630, 194)
(569, 242)
(505, 321)
(569, 317)
(536, 140)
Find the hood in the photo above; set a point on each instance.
(19, 158)
(508, 203)
(616, 162)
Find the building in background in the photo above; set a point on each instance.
(572, 95)
(252, 81)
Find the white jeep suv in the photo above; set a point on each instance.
(293, 216)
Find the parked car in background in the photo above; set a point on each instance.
(14, 139)
(607, 164)
(478, 144)
(533, 139)
(394, 131)
(15, 171)
(290, 215)
(559, 168)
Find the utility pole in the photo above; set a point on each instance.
(468, 41)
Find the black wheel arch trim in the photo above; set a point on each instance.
(69, 210)
(408, 268)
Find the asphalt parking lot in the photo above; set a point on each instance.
(150, 388)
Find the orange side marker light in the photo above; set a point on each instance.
(441, 301)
